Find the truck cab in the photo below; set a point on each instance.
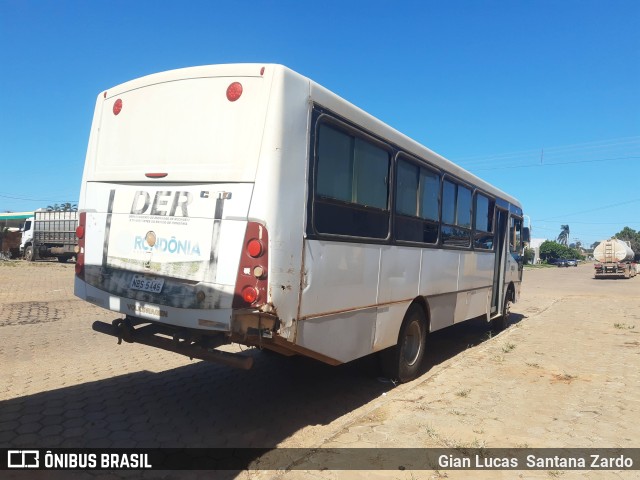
(49, 234)
(26, 243)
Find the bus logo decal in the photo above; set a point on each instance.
(162, 203)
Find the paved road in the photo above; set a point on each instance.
(63, 385)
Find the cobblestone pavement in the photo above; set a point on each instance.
(64, 385)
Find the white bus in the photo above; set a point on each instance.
(248, 204)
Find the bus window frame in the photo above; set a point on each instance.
(420, 164)
(320, 115)
(457, 182)
(319, 118)
(492, 233)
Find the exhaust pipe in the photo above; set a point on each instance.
(124, 330)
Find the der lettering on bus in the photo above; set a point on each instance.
(160, 202)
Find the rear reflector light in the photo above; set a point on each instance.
(250, 295)
(251, 290)
(80, 265)
(80, 233)
(156, 175)
(117, 107)
(234, 91)
(254, 248)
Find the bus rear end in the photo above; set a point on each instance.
(164, 233)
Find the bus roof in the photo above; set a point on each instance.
(324, 98)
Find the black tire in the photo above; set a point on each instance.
(403, 361)
(502, 322)
(29, 254)
(63, 259)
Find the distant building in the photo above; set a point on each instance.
(13, 219)
(535, 244)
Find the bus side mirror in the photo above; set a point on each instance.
(526, 235)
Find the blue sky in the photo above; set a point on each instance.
(540, 98)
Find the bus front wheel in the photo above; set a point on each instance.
(502, 322)
(403, 361)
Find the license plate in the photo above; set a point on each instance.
(146, 284)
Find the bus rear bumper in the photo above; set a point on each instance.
(182, 341)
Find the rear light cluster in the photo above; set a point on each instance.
(117, 106)
(234, 91)
(251, 281)
(80, 234)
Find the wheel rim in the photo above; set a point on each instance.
(412, 343)
(507, 310)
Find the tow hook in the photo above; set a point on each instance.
(125, 330)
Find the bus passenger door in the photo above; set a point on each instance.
(502, 223)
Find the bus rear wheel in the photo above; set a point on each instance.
(403, 361)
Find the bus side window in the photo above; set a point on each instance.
(483, 222)
(456, 215)
(351, 186)
(515, 236)
(417, 192)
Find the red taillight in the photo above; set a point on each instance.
(250, 295)
(80, 265)
(254, 248)
(80, 233)
(234, 91)
(252, 282)
(156, 175)
(117, 107)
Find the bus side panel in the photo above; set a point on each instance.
(399, 282)
(474, 283)
(340, 286)
(439, 283)
(388, 322)
(279, 199)
(471, 304)
(344, 336)
(339, 277)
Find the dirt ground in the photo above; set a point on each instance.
(565, 374)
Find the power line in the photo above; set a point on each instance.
(590, 210)
(538, 165)
(565, 150)
(593, 152)
(25, 199)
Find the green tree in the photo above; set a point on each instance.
(529, 255)
(631, 236)
(563, 238)
(53, 208)
(552, 251)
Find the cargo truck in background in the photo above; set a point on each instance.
(614, 258)
(49, 234)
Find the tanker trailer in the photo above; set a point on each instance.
(614, 259)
